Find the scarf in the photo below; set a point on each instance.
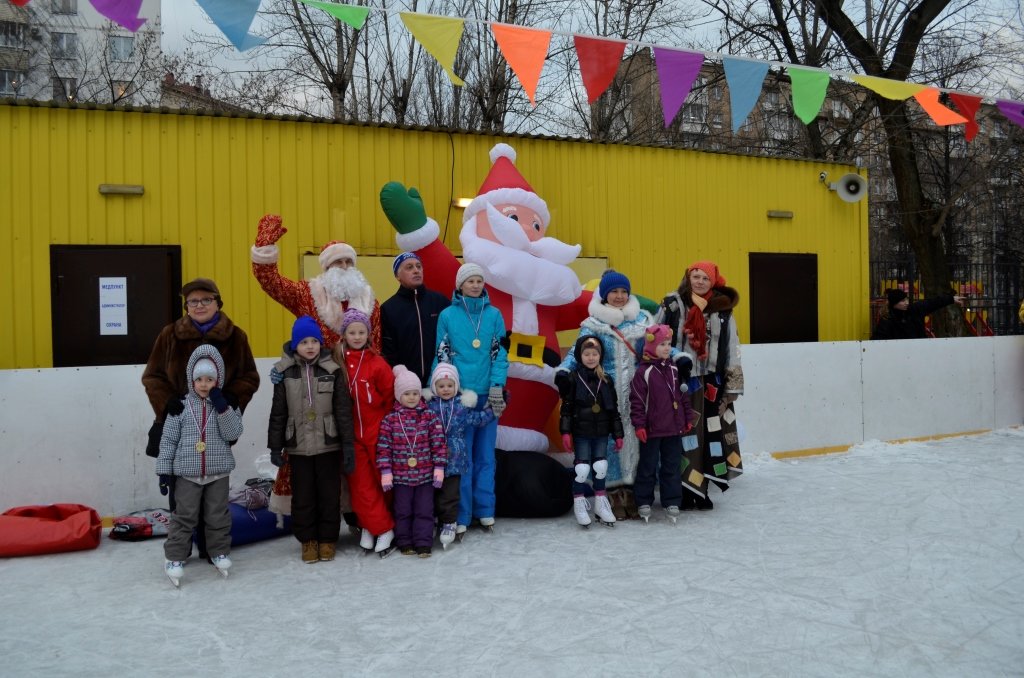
(208, 325)
(695, 327)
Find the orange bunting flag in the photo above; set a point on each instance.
(929, 100)
(968, 105)
(440, 36)
(525, 50)
(599, 61)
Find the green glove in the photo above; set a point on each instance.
(404, 209)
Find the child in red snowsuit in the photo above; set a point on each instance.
(372, 384)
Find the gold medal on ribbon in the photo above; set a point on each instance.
(675, 406)
(412, 462)
(595, 408)
(476, 343)
(200, 447)
(311, 415)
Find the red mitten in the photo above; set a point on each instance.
(641, 435)
(270, 230)
(567, 442)
(618, 444)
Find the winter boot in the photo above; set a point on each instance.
(581, 507)
(222, 563)
(615, 498)
(423, 551)
(673, 513)
(326, 551)
(603, 511)
(175, 570)
(645, 512)
(310, 552)
(407, 550)
(687, 503)
(629, 503)
(447, 534)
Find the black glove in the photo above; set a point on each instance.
(276, 458)
(232, 399)
(684, 365)
(174, 407)
(562, 382)
(165, 483)
(220, 403)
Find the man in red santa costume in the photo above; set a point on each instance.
(528, 280)
(325, 297)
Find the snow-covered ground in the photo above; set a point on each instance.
(889, 560)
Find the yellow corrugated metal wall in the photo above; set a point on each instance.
(209, 179)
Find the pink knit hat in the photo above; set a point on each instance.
(654, 336)
(405, 381)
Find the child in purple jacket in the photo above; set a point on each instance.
(661, 413)
(411, 456)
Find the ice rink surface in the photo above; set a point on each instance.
(888, 560)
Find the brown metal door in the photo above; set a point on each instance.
(109, 302)
(783, 298)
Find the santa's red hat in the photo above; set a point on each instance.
(336, 250)
(505, 185)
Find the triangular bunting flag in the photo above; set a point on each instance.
(440, 36)
(599, 61)
(349, 14)
(890, 89)
(808, 91)
(20, 3)
(929, 100)
(123, 12)
(968, 105)
(525, 50)
(233, 18)
(744, 78)
(1013, 110)
(676, 72)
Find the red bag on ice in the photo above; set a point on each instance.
(35, 530)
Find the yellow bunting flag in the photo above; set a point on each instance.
(929, 100)
(890, 89)
(440, 36)
(525, 50)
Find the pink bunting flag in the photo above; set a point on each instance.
(1013, 110)
(599, 61)
(676, 72)
(124, 12)
(968, 105)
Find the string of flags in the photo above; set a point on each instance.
(525, 49)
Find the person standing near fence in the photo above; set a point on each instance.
(905, 320)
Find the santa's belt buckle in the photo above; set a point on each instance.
(526, 348)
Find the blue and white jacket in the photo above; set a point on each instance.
(466, 320)
(458, 414)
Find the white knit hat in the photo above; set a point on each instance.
(467, 271)
(336, 250)
(204, 367)
(444, 371)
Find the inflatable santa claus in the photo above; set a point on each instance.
(528, 280)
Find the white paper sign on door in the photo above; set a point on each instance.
(113, 306)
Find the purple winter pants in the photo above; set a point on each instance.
(414, 515)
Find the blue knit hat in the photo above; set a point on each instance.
(305, 327)
(612, 280)
(400, 259)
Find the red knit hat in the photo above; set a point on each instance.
(504, 184)
(711, 269)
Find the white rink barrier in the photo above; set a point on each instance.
(78, 434)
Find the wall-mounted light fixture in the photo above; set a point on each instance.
(461, 203)
(121, 189)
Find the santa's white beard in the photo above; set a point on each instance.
(343, 284)
(519, 267)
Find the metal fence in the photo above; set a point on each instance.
(993, 291)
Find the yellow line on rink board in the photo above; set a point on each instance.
(837, 449)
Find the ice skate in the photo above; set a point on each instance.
(384, 546)
(487, 524)
(460, 533)
(673, 513)
(447, 534)
(175, 570)
(366, 541)
(645, 512)
(223, 564)
(581, 507)
(603, 511)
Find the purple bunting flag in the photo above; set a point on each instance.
(676, 72)
(1013, 110)
(123, 12)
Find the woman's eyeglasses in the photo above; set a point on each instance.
(196, 303)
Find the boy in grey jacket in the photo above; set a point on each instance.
(195, 455)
